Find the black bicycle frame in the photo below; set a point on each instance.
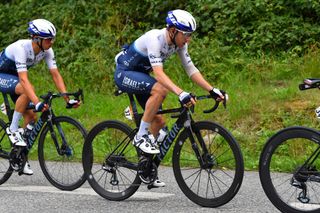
(173, 133)
(46, 117)
(37, 128)
(184, 120)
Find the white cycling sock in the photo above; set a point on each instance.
(15, 121)
(144, 127)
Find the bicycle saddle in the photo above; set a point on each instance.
(310, 83)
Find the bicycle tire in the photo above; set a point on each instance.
(64, 171)
(188, 171)
(280, 162)
(104, 163)
(5, 149)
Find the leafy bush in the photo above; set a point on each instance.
(90, 33)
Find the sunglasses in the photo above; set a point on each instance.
(49, 39)
(186, 34)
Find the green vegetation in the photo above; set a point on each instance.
(256, 50)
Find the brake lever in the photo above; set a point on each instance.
(225, 103)
(81, 95)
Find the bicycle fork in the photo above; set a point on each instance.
(205, 160)
(64, 149)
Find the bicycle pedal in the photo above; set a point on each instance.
(151, 186)
(315, 178)
(21, 173)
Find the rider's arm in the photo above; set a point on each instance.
(27, 86)
(186, 61)
(58, 81)
(198, 79)
(194, 73)
(163, 79)
(57, 78)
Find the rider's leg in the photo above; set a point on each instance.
(154, 101)
(10, 86)
(20, 107)
(29, 116)
(152, 94)
(157, 95)
(157, 123)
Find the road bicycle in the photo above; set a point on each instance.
(206, 159)
(59, 149)
(289, 166)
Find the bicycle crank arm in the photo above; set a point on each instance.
(4, 154)
(314, 178)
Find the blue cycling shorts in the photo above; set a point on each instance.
(8, 85)
(135, 82)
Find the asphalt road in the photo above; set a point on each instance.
(35, 194)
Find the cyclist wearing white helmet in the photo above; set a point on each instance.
(15, 60)
(148, 53)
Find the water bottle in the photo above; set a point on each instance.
(128, 113)
(28, 130)
(162, 135)
(3, 108)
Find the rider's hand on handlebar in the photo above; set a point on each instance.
(73, 103)
(218, 94)
(41, 107)
(187, 99)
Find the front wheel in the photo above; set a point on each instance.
(60, 153)
(111, 161)
(289, 170)
(208, 164)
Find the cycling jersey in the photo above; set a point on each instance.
(152, 49)
(136, 61)
(19, 56)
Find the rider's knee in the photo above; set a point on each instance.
(160, 90)
(20, 90)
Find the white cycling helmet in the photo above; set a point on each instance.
(42, 28)
(182, 20)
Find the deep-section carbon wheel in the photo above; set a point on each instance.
(290, 170)
(62, 166)
(111, 161)
(208, 164)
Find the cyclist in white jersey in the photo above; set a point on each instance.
(147, 54)
(15, 60)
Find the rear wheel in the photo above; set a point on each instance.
(5, 149)
(208, 164)
(111, 161)
(62, 168)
